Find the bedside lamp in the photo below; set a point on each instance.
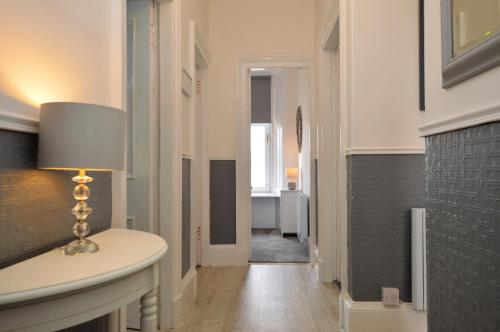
(81, 137)
(291, 174)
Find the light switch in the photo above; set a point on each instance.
(390, 296)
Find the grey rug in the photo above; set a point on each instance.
(268, 246)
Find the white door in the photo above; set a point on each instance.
(138, 162)
(336, 154)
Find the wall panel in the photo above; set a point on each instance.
(222, 202)
(381, 191)
(463, 229)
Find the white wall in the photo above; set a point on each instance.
(291, 87)
(472, 95)
(303, 99)
(56, 50)
(321, 12)
(380, 39)
(290, 103)
(191, 10)
(385, 111)
(241, 28)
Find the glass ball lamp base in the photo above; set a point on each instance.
(80, 246)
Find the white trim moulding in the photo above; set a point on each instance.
(360, 316)
(404, 150)
(18, 123)
(480, 116)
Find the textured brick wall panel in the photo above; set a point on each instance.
(463, 229)
(382, 189)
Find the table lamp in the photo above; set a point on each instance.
(291, 174)
(81, 137)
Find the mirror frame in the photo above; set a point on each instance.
(477, 60)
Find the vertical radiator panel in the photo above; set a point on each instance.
(303, 218)
(418, 258)
(265, 212)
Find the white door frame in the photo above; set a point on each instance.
(169, 152)
(328, 154)
(200, 56)
(153, 129)
(172, 285)
(243, 188)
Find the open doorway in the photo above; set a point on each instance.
(280, 165)
(143, 129)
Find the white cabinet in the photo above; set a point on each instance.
(294, 214)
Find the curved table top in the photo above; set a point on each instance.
(122, 252)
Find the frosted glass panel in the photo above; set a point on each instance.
(473, 23)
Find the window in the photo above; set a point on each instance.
(261, 157)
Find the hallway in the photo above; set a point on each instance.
(262, 297)
(269, 246)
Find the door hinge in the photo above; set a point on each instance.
(198, 232)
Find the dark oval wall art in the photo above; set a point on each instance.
(298, 123)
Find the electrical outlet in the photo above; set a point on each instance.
(390, 296)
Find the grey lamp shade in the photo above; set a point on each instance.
(81, 136)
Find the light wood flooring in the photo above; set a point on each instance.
(262, 297)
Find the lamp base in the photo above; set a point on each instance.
(292, 185)
(83, 246)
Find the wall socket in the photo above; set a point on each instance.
(390, 296)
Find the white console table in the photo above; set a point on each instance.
(52, 291)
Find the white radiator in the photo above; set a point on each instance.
(418, 258)
(265, 212)
(303, 216)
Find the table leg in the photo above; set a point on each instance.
(117, 320)
(148, 312)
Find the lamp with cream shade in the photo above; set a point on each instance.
(291, 175)
(81, 137)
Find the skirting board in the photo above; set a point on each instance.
(227, 255)
(358, 316)
(185, 300)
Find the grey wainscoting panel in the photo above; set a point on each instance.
(97, 325)
(316, 198)
(222, 202)
(381, 191)
(35, 205)
(463, 229)
(186, 216)
(261, 99)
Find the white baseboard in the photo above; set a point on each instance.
(185, 300)
(227, 255)
(356, 316)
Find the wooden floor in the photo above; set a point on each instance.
(262, 297)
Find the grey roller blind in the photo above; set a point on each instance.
(222, 202)
(261, 99)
